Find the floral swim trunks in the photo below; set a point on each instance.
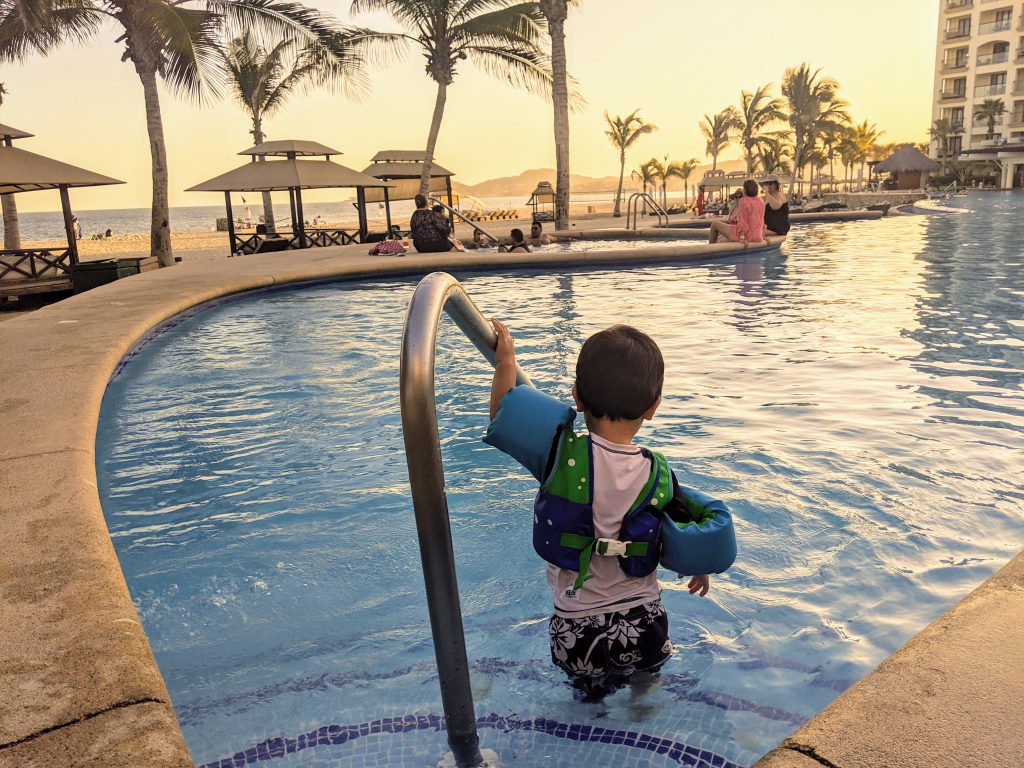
(611, 645)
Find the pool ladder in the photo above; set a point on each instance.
(633, 208)
(436, 292)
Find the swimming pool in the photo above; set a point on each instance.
(856, 399)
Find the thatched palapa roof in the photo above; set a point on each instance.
(907, 158)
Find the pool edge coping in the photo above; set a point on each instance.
(74, 347)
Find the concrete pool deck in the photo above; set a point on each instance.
(79, 680)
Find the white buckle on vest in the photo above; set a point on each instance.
(611, 547)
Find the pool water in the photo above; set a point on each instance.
(856, 398)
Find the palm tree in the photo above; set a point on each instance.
(849, 154)
(657, 173)
(866, 138)
(177, 41)
(502, 37)
(680, 170)
(756, 112)
(773, 151)
(814, 107)
(623, 133)
(555, 13)
(261, 82)
(12, 228)
(716, 131)
(990, 110)
(941, 132)
(648, 174)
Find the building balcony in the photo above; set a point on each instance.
(951, 95)
(987, 59)
(989, 90)
(1018, 89)
(1017, 121)
(955, 5)
(957, 34)
(953, 66)
(994, 26)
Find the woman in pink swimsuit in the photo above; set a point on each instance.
(749, 225)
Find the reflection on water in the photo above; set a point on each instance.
(856, 398)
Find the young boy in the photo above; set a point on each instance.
(607, 623)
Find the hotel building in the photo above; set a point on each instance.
(979, 56)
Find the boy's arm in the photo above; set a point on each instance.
(700, 583)
(504, 366)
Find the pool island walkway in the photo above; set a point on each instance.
(80, 684)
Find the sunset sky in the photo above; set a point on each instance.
(673, 59)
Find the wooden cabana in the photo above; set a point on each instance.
(542, 201)
(39, 270)
(908, 167)
(404, 169)
(288, 172)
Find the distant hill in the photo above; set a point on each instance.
(526, 182)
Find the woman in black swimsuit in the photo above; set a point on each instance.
(776, 208)
(430, 231)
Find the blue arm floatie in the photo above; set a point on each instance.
(525, 427)
(697, 534)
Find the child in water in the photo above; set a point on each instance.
(593, 515)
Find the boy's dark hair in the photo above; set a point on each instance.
(619, 373)
(517, 235)
(421, 201)
(750, 188)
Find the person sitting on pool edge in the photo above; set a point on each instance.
(537, 236)
(609, 622)
(776, 208)
(516, 244)
(431, 231)
(749, 226)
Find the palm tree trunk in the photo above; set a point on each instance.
(560, 104)
(268, 201)
(618, 192)
(714, 162)
(12, 229)
(160, 215)
(435, 129)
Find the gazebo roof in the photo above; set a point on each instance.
(285, 146)
(402, 164)
(9, 132)
(274, 175)
(907, 158)
(22, 171)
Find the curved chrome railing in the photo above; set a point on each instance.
(435, 292)
(633, 209)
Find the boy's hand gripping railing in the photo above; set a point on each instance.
(435, 292)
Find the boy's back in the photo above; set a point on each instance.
(620, 474)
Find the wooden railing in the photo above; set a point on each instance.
(247, 242)
(35, 263)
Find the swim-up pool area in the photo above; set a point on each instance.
(856, 399)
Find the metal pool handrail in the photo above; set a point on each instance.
(435, 292)
(633, 208)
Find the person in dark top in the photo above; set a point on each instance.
(431, 231)
(517, 244)
(776, 208)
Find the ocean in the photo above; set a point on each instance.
(49, 225)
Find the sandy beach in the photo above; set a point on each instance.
(205, 246)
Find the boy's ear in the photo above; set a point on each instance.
(576, 399)
(650, 411)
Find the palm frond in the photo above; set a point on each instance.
(40, 26)
(520, 66)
